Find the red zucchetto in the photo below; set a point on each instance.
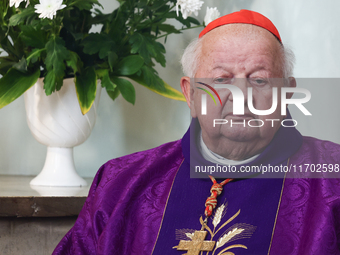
(244, 17)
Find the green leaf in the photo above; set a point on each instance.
(113, 94)
(57, 54)
(193, 20)
(160, 51)
(107, 83)
(9, 48)
(33, 36)
(5, 64)
(51, 83)
(74, 62)
(22, 16)
(14, 84)
(103, 75)
(167, 28)
(34, 56)
(138, 45)
(21, 65)
(4, 5)
(158, 4)
(85, 4)
(130, 65)
(186, 22)
(112, 57)
(77, 36)
(126, 89)
(168, 91)
(148, 48)
(150, 76)
(162, 10)
(98, 43)
(86, 87)
(142, 3)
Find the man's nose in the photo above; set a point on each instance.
(242, 84)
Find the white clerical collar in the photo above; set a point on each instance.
(217, 159)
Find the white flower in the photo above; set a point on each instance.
(49, 8)
(211, 14)
(16, 3)
(188, 7)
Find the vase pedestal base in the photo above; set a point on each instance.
(59, 170)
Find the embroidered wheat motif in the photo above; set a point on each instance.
(225, 238)
(190, 235)
(218, 215)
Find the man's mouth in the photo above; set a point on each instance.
(243, 116)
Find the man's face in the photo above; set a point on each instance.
(244, 56)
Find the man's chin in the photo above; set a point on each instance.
(240, 134)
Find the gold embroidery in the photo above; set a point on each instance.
(184, 233)
(197, 244)
(277, 210)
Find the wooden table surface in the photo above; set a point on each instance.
(19, 199)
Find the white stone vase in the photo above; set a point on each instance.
(57, 122)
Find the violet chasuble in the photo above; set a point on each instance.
(146, 203)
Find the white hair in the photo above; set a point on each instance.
(191, 59)
(288, 61)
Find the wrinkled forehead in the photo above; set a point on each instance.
(233, 40)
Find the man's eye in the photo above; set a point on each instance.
(258, 81)
(222, 80)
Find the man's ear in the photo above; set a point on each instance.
(292, 84)
(188, 94)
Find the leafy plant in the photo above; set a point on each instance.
(52, 39)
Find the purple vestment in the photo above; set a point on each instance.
(140, 203)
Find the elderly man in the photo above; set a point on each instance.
(146, 203)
